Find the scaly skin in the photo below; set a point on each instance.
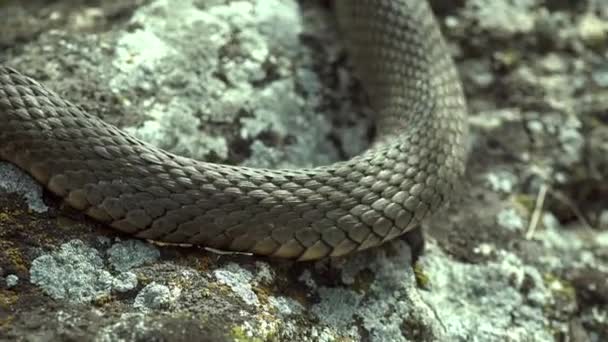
(412, 168)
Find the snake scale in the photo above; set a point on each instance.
(414, 165)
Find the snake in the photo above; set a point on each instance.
(414, 165)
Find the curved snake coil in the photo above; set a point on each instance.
(414, 165)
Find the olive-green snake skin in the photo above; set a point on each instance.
(414, 165)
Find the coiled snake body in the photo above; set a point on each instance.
(414, 165)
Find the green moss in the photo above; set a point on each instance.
(363, 281)
(508, 58)
(526, 201)
(15, 258)
(421, 278)
(103, 300)
(5, 217)
(593, 30)
(239, 335)
(7, 298)
(4, 321)
(205, 293)
(263, 293)
(560, 287)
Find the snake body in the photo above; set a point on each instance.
(414, 165)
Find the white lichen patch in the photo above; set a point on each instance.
(503, 17)
(286, 306)
(501, 181)
(131, 253)
(496, 307)
(239, 280)
(509, 218)
(13, 180)
(11, 280)
(156, 296)
(77, 273)
(197, 65)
